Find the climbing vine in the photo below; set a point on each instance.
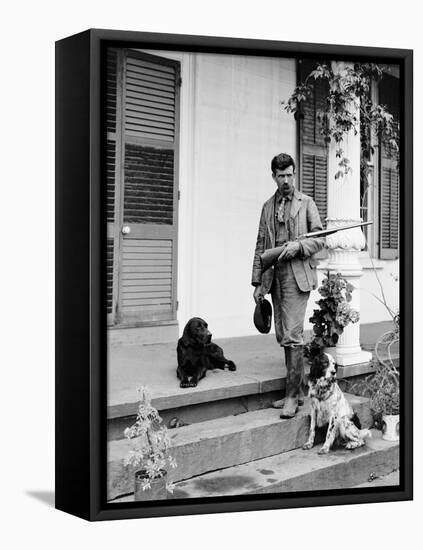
(349, 86)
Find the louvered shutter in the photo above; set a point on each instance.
(313, 151)
(112, 184)
(389, 177)
(151, 130)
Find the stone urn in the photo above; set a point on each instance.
(390, 427)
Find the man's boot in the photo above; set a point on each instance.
(280, 403)
(294, 375)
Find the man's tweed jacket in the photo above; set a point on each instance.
(304, 217)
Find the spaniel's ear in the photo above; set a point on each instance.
(318, 364)
(314, 350)
(315, 371)
(186, 338)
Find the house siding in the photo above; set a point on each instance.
(238, 125)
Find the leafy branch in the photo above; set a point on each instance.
(348, 108)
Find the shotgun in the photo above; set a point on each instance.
(270, 256)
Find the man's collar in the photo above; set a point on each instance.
(294, 193)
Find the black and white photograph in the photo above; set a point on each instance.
(211, 268)
(253, 273)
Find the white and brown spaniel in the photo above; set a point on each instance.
(329, 406)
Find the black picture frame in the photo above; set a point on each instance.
(80, 281)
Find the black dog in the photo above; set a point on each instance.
(197, 353)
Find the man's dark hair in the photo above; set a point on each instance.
(281, 162)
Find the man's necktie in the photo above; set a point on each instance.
(281, 211)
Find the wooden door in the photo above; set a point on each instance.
(146, 189)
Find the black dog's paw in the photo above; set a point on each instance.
(185, 384)
(231, 365)
(193, 384)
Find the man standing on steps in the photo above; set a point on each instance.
(285, 216)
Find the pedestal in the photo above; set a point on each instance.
(346, 261)
(344, 247)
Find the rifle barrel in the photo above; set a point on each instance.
(330, 231)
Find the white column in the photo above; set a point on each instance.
(344, 247)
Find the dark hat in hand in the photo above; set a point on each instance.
(263, 316)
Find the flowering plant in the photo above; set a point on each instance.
(335, 311)
(151, 449)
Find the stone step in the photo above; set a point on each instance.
(202, 411)
(224, 442)
(388, 480)
(297, 470)
(259, 380)
(259, 359)
(250, 379)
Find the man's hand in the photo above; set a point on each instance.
(258, 294)
(290, 250)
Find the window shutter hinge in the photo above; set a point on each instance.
(179, 195)
(177, 305)
(179, 81)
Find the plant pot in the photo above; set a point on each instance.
(331, 351)
(157, 491)
(390, 427)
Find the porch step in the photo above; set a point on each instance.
(224, 442)
(201, 412)
(260, 370)
(297, 470)
(259, 380)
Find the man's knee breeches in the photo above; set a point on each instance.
(289, 306)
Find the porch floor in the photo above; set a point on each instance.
(259, 370)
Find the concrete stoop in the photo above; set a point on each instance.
(221, 445)
(297, 470)
(260, 376)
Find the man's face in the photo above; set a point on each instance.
(285, 180)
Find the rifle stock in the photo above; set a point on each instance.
(270, 257)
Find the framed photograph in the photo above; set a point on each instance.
(233, 249)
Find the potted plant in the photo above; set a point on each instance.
(150, 454)
(385, 384)
(334, 313)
